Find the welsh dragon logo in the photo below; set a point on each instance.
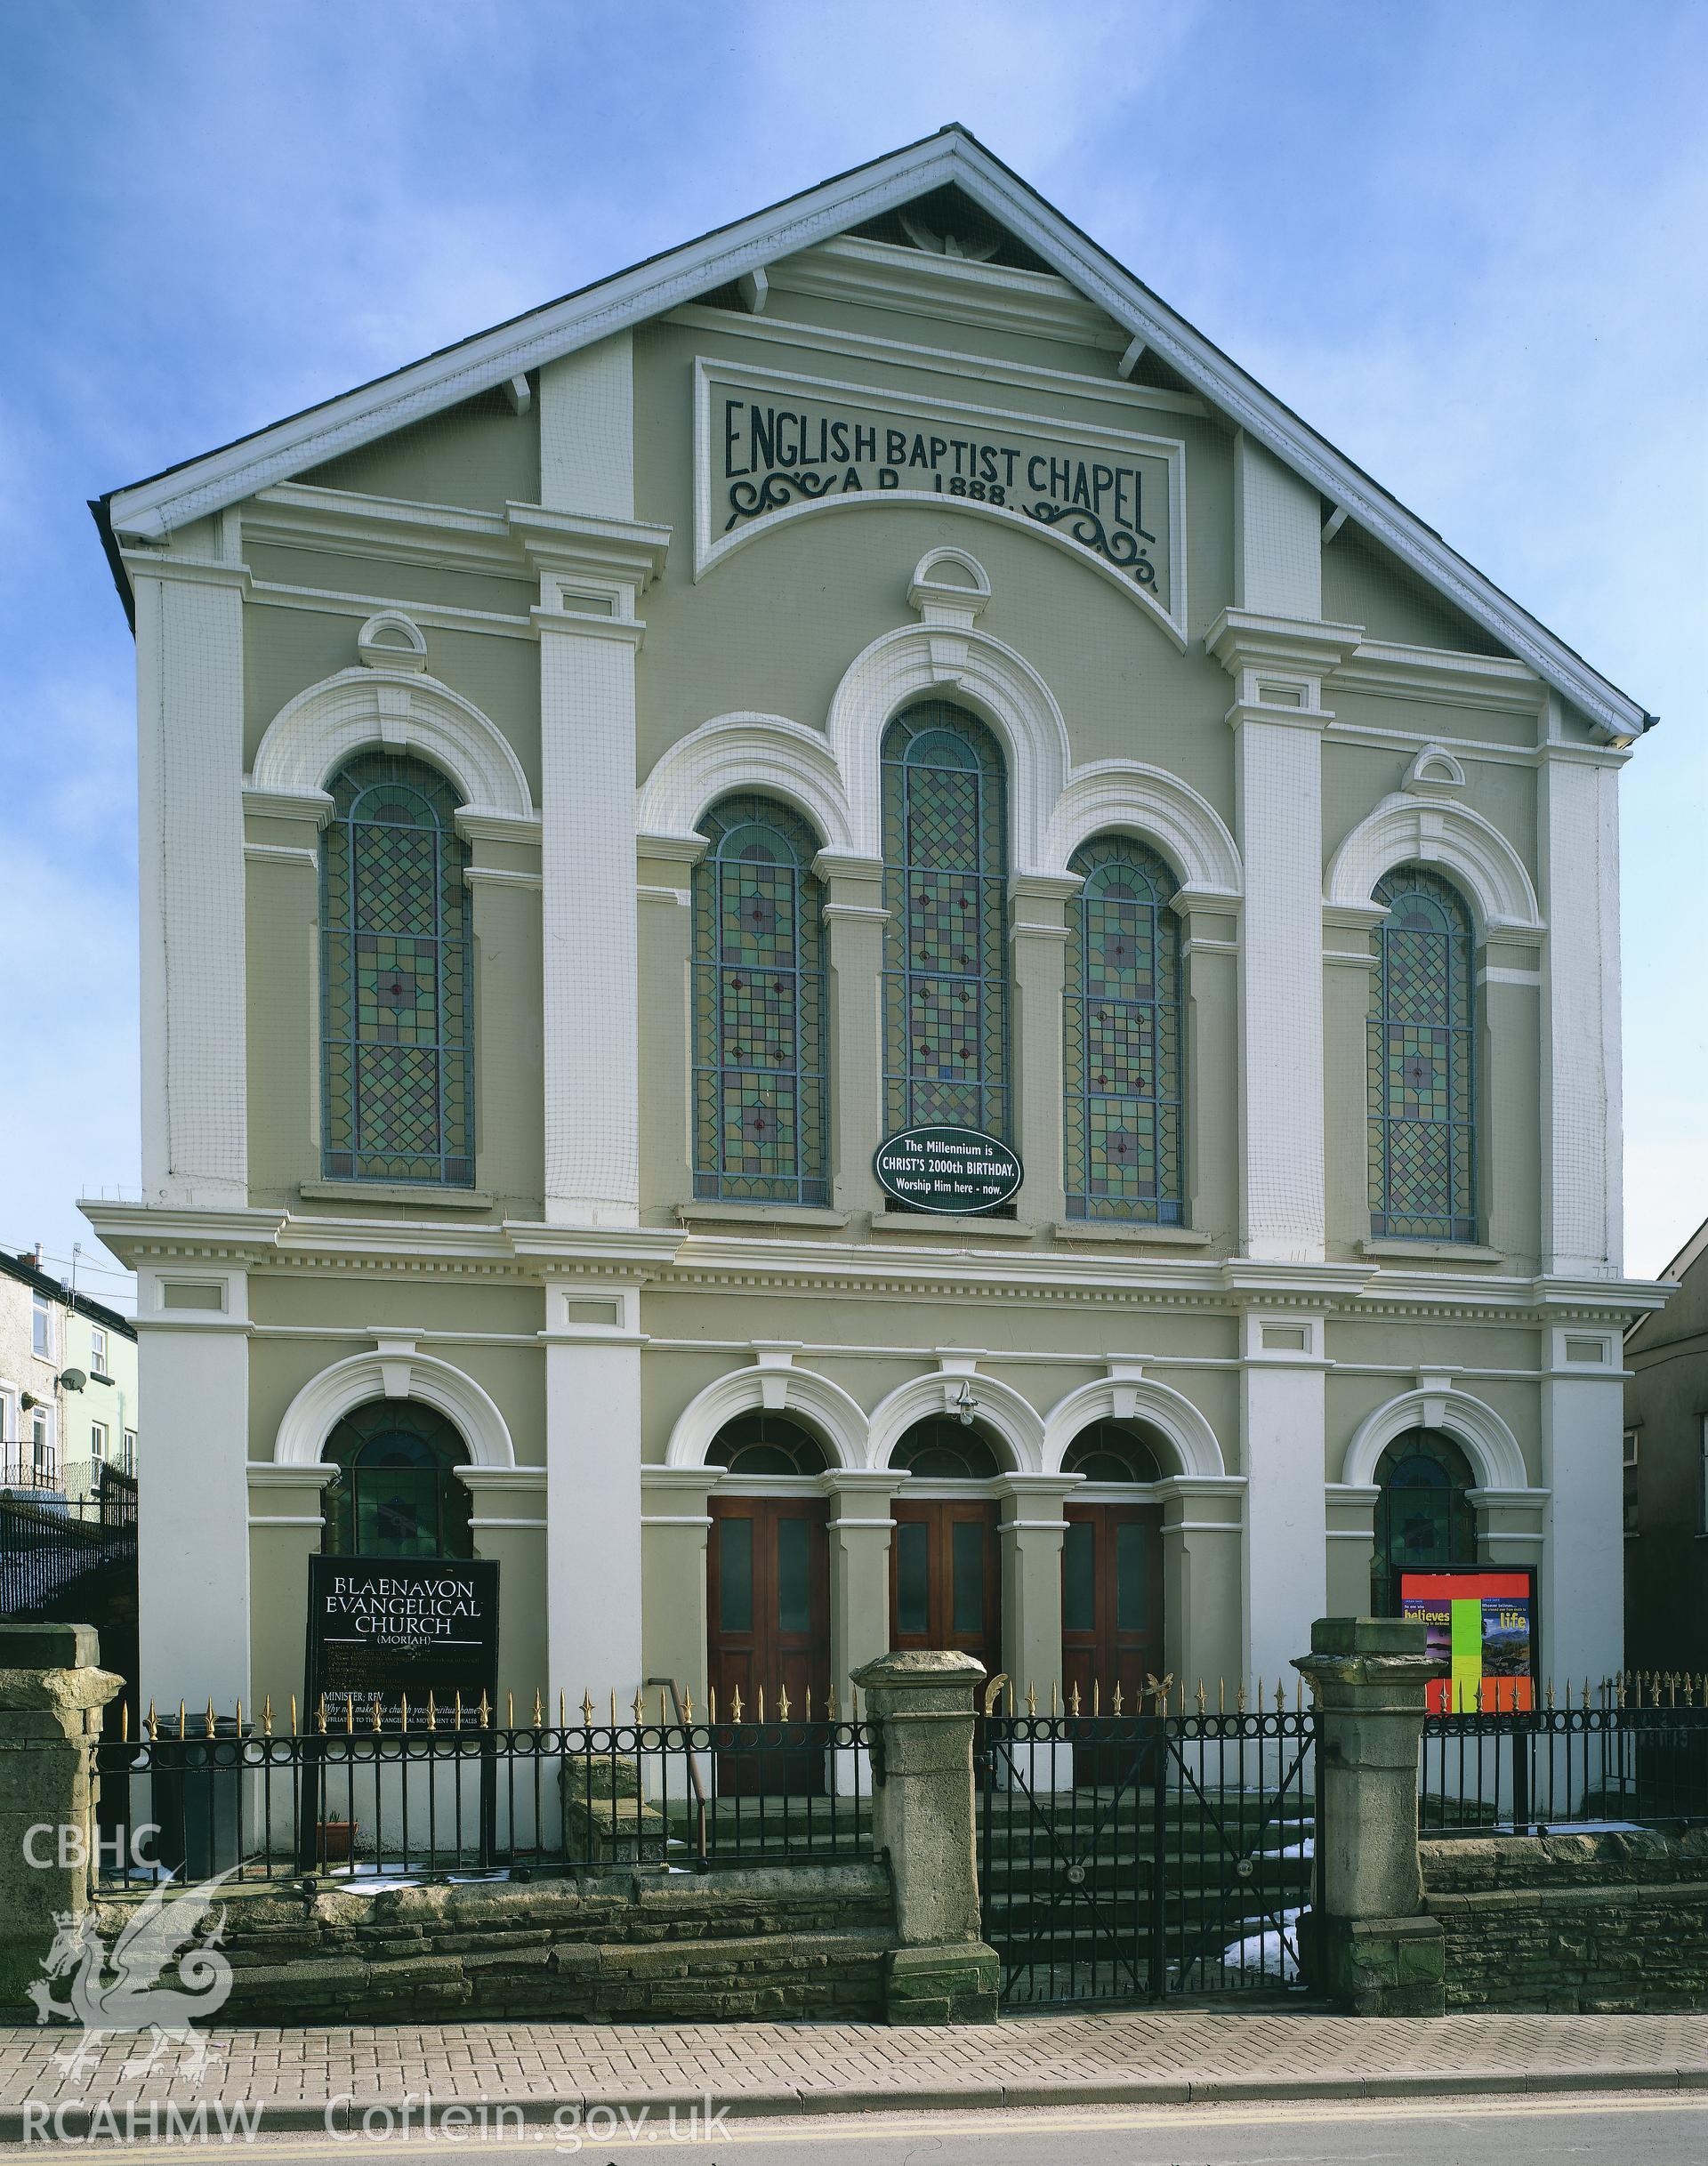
(127, 1990)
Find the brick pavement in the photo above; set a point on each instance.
(1114, 2058)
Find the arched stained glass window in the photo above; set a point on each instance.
(1423, 1063)
(946, 960)
(1112, 1452)
(759, 1097)
(396, 1036)
(396, 1493)
(943, 1448)
(1121, 1017)
(764, 1443)
(1425, 1516)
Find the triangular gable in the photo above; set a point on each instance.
(952, 157)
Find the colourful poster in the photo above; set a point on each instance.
(1482, 1626)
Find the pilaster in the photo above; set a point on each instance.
(189, 783)
(1031, 1531)
(1583, 1422)
(1210, 969)
(855, 918)
(1038, 937)
(1202, 1572)
(665, 871)
(1349, 965)
(860, 1534)
(675, 1529)
(509, 1523)
(592, 1494)
(1582, 1121)
(286, 1526)
(1282, 1417)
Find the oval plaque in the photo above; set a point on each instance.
(947, 1170)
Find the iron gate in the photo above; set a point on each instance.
(1126, 1857)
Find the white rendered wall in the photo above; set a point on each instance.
(1583, 1125)
(193, 1504)
(189, 779)
(1277, 535)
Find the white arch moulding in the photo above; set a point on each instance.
(1188, 1434)
(312, 735)
(1126, 797)
(1002, 1409)
(920, 661)
(765, 755)
(826, 1407)
(324, 1400)
(1409, 830)
(1486, 1439)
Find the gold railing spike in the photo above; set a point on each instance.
(209, 1719)
(1097, 1690)
(1548, 1696)
(1115, 1704)
(432, 1712)
(456, 1707)
(539, 1709)
(293, 1714)
(1203, 1701)
(1181, 1691)
(239, 1718)
(1239, 1699)
(510, 1710)
(712, 1704)
(1054, 1690)
(486, 1711)
(663, 1707)
(374, 1722)
(638, 1708)
(154, 1722)
(1586, 1695)
(124, 1721)
(735, 1705)
(831, 1715)
(613, 1706)
(1073, 1702)
(688, 1704)
(267, 1715)
(586, 1709)
(1031, 1699)
(320, 1715)
(349, 1714)
(782, 1704)
(761, 1704)
(563, 1712)
(403, 1710)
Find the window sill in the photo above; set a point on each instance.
(1128, 1231)
(707, 1211)
(394, 1192)
(1446, 1251)
(947, 1222)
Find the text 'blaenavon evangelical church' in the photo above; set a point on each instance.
(870, 673)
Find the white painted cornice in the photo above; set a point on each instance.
(624, 553)
(1396, 672)
(495, 358)
(912, 282)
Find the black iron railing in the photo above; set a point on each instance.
(50, 1556)
(443, 1793)
(1131, 1856)
(1537, 1769)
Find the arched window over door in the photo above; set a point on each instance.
(1121, 1021)
(761, 1109)
(1421, 1061)
(396, 1493)
(946, 1057)
(1424, 1515)
(944, 1573)
(1111, 1576)
(397, 1069)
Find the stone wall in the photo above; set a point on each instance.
(1591, 1921)
(778, 1942)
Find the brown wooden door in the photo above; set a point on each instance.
(945, 1577)
(768, 1587)
(1111, 1603)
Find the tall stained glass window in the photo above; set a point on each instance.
(760, 1097)
(1120, 1015)
(945, 882)
(396, 1038)
(1422, 1063)
(396, 1493)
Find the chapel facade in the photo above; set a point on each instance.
(874, 670)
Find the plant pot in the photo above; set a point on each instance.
(336, 1839)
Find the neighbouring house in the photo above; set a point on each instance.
(842, 949)
(67, 1385)
(1666, 1474)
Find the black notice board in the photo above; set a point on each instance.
(381, 1629)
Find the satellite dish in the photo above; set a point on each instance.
(74, 1379)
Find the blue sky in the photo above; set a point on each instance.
(1464, 240)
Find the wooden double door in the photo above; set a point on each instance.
(1111, 1604)
(768, 1588)
(945, 1577)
